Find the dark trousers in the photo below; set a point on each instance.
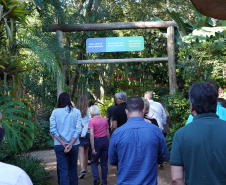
(67, 165)
(101, 147)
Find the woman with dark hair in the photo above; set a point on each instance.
(65, 126)
(82, 105)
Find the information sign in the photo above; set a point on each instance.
(114, 44)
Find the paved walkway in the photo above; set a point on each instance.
(49, 158)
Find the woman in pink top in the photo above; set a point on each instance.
(99, 138)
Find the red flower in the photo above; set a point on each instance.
(122, 77)
(223, 85)
(117, 77)
(127, 89)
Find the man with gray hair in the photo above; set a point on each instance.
(119, 114)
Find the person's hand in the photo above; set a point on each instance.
(68, 148)
(64, 144)
(94, 152)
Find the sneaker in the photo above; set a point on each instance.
(82, 174)
(97, 182)
(88, 171)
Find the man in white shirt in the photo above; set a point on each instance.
(156, 110)
(9, 174)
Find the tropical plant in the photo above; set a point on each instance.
(19, 129)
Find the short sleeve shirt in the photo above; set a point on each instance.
(200, 148)
(119, 114)
(99, 126)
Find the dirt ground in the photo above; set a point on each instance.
(49, 158)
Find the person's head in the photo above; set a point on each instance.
(95, 110)
(203, 98)
(135, 107)
(149, 95)
(213, 84)
(82, 105)
(146, 106)
(93, 102)
(64, 100)
(222, 101)
(120, 97)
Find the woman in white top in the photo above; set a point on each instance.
(65, 126)
(82, 105)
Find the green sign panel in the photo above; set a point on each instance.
(134, 43)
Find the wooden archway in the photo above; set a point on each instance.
(169, 25)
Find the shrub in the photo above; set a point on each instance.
(178, 108)
(42, 135)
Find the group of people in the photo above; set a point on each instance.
(77, 128)
(131, 138)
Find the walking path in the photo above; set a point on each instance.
(48, 156)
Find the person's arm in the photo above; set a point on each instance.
(163, 115)
(78, 125)
(53, 125)
(69, 145)
(112, 152)
(108, 135)
(92, 141)
(163, 153)
(177, 175)
(108, 116)
(114, 125)
(64, 144)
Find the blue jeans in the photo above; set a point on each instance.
(101, 147)
(67, 165)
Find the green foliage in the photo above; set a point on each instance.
(178, 108)
(33, 166)
(203, 61)
(42, 137)
(19, 129)
(135, 87)
(104, 106)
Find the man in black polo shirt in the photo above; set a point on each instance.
(119, 114)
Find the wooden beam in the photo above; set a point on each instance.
(61, 44)
(171, 61)
(107, 26)
(110, 61)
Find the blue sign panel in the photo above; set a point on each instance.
(114, 44)
(96, 45)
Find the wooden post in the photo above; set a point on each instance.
(61, 44)
(171, 59)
